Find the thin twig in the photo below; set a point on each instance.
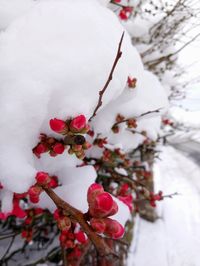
(8, 249)
(101, 92)
(136, 117)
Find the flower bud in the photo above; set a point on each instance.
(78, 123)
(113, 228)
(98, 225)
(58, 148)
(59, 126)
(101, 205)
(42, 178)
(81, 237)
(64, 223)
(39, 149)
(93, 190)
(34, 191)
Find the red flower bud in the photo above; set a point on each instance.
(101, 205)
(128, 200)
(81, 237)
(104, 201)
(62, 238)
(98, 225)
(64, 223)
(113, 228)
(58, 125)
(39, 149)
(132, 82)
(17, 210)
(91, 133)
(34, 191)
(54, 182)
(34, 199)
(58, 148)
(114, 209)
(78, 123)
(93, 190)
(56, 214)
(42, 178)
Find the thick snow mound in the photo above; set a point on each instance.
(53, 62)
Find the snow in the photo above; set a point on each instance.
(56, 68)
(41, 60)
(12, 9)
(175, 238)
(188, 118)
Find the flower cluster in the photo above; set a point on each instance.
(42, 179)
(69, 239)
(49, 144)
(155, 197)
(72, 130)
(125, 195)
(101, 206)
(130, 123)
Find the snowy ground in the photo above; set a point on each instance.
(174, 240)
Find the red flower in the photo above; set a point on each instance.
(58, 125)
(58, 148)
(78, 123)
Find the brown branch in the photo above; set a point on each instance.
(101, 92)
(136, 117)
(84, 252)
(153, 63)
(102, 248)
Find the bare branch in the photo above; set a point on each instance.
(136, 117)
(119, 54)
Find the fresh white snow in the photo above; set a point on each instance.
(174, 240)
